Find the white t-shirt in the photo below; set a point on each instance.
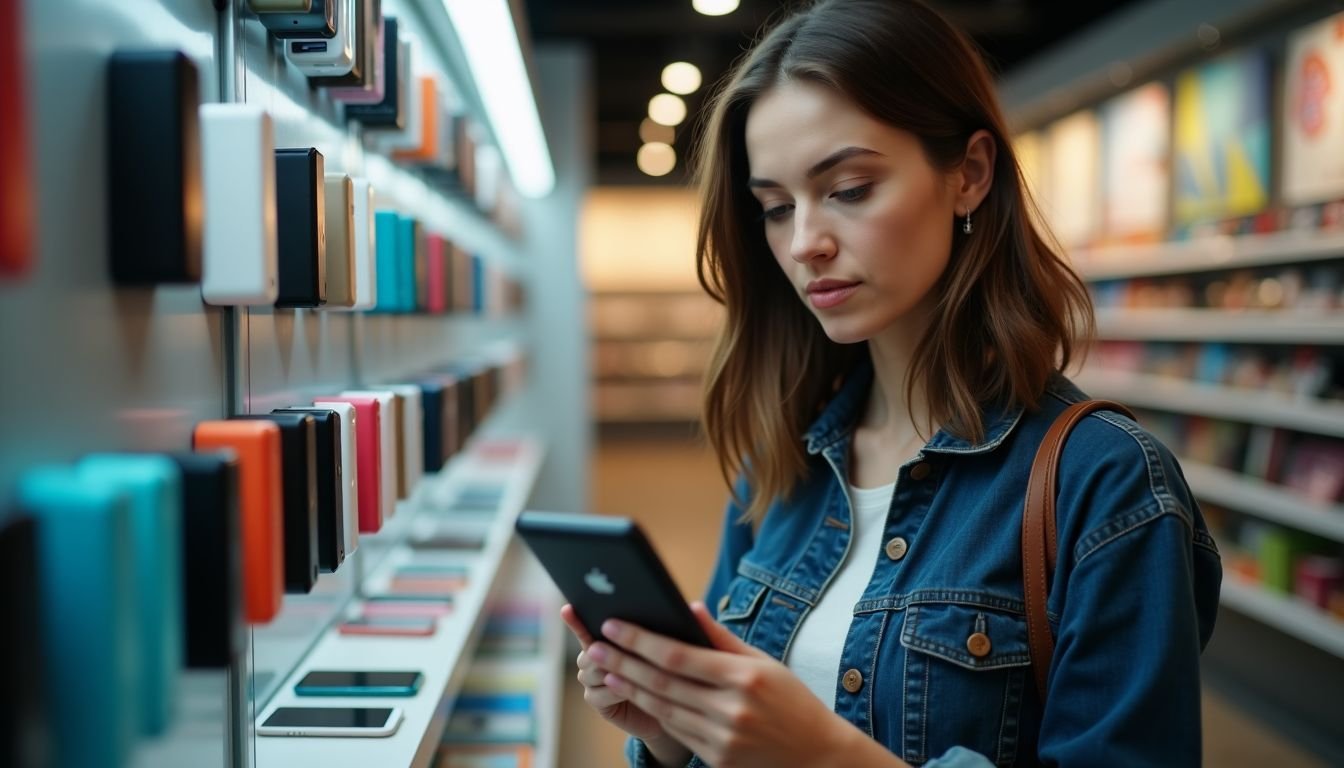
(815, 653)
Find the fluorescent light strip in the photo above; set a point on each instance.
(487, 35)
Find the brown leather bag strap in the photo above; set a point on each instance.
(1038, 533)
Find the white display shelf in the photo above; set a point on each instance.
(1208, 254)
(1263, 500)
(443, 658)
(1269, 327)
(1287, 614)
(1170, 394)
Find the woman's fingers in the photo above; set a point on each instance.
(571, 620)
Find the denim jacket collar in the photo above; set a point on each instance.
(837, 420)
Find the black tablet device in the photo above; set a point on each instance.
(606, 569)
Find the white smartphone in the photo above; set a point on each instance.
(358, 722)
(366, 246)
(238, 264)
(340, 224)
(412, 432)
(327, 56)
(349, 471)
(387, 446)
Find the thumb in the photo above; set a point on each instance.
(722, 637)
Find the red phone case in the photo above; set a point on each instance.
(16, 188)
(368, 436)
(436, 274)
(257, 446)
(388, 629)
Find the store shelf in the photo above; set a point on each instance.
(443, 658)
(1272, 327)
(1269, 502)
(1208, 254)
(1303, 621)
(1165, 393)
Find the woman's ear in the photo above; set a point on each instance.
(977, 171)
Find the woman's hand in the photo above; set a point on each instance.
(733, 705)
(615, 708)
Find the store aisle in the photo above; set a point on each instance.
(671, 486)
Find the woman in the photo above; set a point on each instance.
(892, 355)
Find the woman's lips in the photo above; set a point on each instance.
(827, 294)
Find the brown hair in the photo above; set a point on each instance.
(1009, 311)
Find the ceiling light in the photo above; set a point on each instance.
(656, 159)
(651, 131)
(486, 33)
(681, 77)
(714, 7)
(667, 109)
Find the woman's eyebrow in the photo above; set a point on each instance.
(831, 160)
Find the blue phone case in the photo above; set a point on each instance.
(406, 245)
(86, 583)
(153, 487)
(359, 690)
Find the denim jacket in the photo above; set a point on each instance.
(1132, 602)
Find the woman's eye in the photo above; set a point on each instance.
(777, 212)
(853, 194)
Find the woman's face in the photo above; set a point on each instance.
(854, 213)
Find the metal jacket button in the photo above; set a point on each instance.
(978, 644)
(896, 548)
(920, 470)
(852, 681)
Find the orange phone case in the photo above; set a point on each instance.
(257, 445)
(428, 151)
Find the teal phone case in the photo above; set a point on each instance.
(153, 486)
(406, 245)
(86, 588)
(387, 228)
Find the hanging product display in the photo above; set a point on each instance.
(1313, 114)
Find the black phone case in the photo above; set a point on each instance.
(153, 168)
(584, 552)
(24, 724)
(330, 487)
(386, 113)
(301, 224)
(298, 444)
(319, 21)
(433, 429)
(212, 568)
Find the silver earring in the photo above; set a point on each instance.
(966, 227)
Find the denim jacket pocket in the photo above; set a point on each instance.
(965, 669)
(739, 604)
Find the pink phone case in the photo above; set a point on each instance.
(436, 274)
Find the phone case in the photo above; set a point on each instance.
(24, 727)
(308, 687)
(85, 583)
(327, 55)
(374, 81)
(390, 446)
(384, 606)
(211, 559)
(365, 246)
(412, 433)
(435, 284)
(409, 134)
(328, 459)
(240, 263)
(301, 207)
(605, 568)
(432, 426)
(366, 53)
(420, 145)
(408, 263)
(318, 21)
(387, 225)
(298, 483)
(369, 441)
(153, 488)
(390, 111)
(17, 208)
(154, 175)
(348, 474)
(257, 446)
(340, 244)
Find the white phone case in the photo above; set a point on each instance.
(323, 56)
(412, 136)
(340, 222)
(366, 246)
(387, 446)
(349, 471)
(238, 172)
(412, 432)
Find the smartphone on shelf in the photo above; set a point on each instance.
(389, 626)
(327, 55)
(606, 569)
(358, 682)
(377, 722)
(318, 21)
